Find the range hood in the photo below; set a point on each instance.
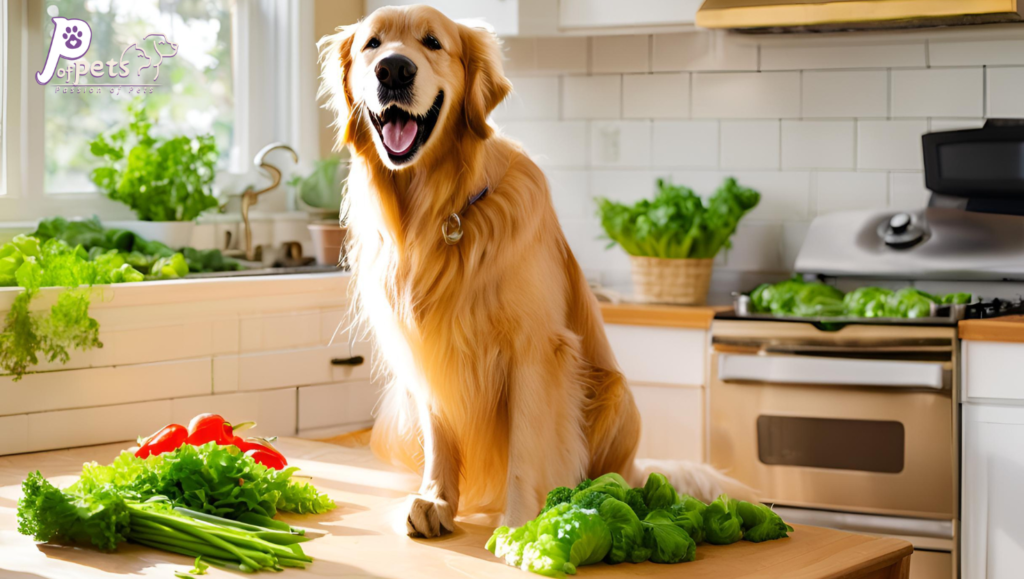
(836, 15)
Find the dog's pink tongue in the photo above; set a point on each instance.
(399, 135)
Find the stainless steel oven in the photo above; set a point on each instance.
(853, 428)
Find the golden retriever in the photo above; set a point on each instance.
(501, 382)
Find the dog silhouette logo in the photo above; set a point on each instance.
(163, 49)
(71, 40)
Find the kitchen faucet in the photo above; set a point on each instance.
(250, 196)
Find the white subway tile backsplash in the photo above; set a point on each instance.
(755, 95)
(620, 143)
(570, 193)
(936, 125)
(551, 144)
(703, 51)
(656, 96)
(907, 191)
(1005, 87)
(750, 144)
(811, 55)
(13, 434)
(520, 55)
(845, 93)
(561, 55)
(817, 144)
(620, 53)
(844, 191)
(623, 186)
(937, 92)
(816, 124)
(592, 97)
(685, 144)
(976, 52)
(890, 144)
(532, 98)
(756, 246)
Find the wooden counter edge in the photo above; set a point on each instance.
(695, 317)
(1005, 329)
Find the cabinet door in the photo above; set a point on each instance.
(992, 533)
(673, 422)
(617, 13)
(659, 355)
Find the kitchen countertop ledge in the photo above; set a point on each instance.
(696, 317)
(1005, 329)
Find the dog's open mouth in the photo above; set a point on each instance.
(402, 133)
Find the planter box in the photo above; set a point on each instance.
(248, 348)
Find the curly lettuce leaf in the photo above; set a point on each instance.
(555, 543)
(46, 513)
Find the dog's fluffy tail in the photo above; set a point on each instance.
(695, 479)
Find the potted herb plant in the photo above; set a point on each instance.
(166, 182)
(672, 240)
(321, 191)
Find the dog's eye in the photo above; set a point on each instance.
(373, 43)
(430, 42)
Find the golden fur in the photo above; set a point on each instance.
(502, 384)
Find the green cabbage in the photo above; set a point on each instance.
(722, 524)
(667, 540)
(658, 493)
(555, 543)
(626, 531)
(760, 523)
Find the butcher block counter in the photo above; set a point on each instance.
(359, 540)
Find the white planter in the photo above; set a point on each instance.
(174, 234)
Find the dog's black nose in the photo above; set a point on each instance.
(396, 71)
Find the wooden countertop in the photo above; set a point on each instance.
(360, 539)
(697, 317)
(1005, 329)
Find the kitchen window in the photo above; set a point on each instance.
(245, 70)
(194, 87)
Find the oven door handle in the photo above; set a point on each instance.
(832, 371)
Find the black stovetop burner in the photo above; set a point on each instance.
(994, 308)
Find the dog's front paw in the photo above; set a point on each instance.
(431, 517)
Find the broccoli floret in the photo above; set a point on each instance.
(584, 485)
(589, 499)
(556, 497)
(635, 500)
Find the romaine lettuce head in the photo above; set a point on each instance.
(668, 541)
(554, 543)
(760, 523)
(658, 493)
(626, 531)
(722, 524)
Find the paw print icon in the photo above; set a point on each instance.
(73, 38)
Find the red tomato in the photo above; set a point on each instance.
(209, 428)
(267, 459)
(259, 445)
(164, 440)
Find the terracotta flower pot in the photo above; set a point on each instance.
(328, 239)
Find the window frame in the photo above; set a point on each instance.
(269, 41)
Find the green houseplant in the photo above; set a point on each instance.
(166, 182)
(322, 191)
(673, 239)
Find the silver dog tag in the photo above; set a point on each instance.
(451, 229)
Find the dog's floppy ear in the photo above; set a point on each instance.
(486, 85)
(335, 64)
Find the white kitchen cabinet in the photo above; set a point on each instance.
(665, 370)
(673, 422)
(618, 14)
(508, 17)
(992, 531)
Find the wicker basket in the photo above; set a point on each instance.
(671, 281)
